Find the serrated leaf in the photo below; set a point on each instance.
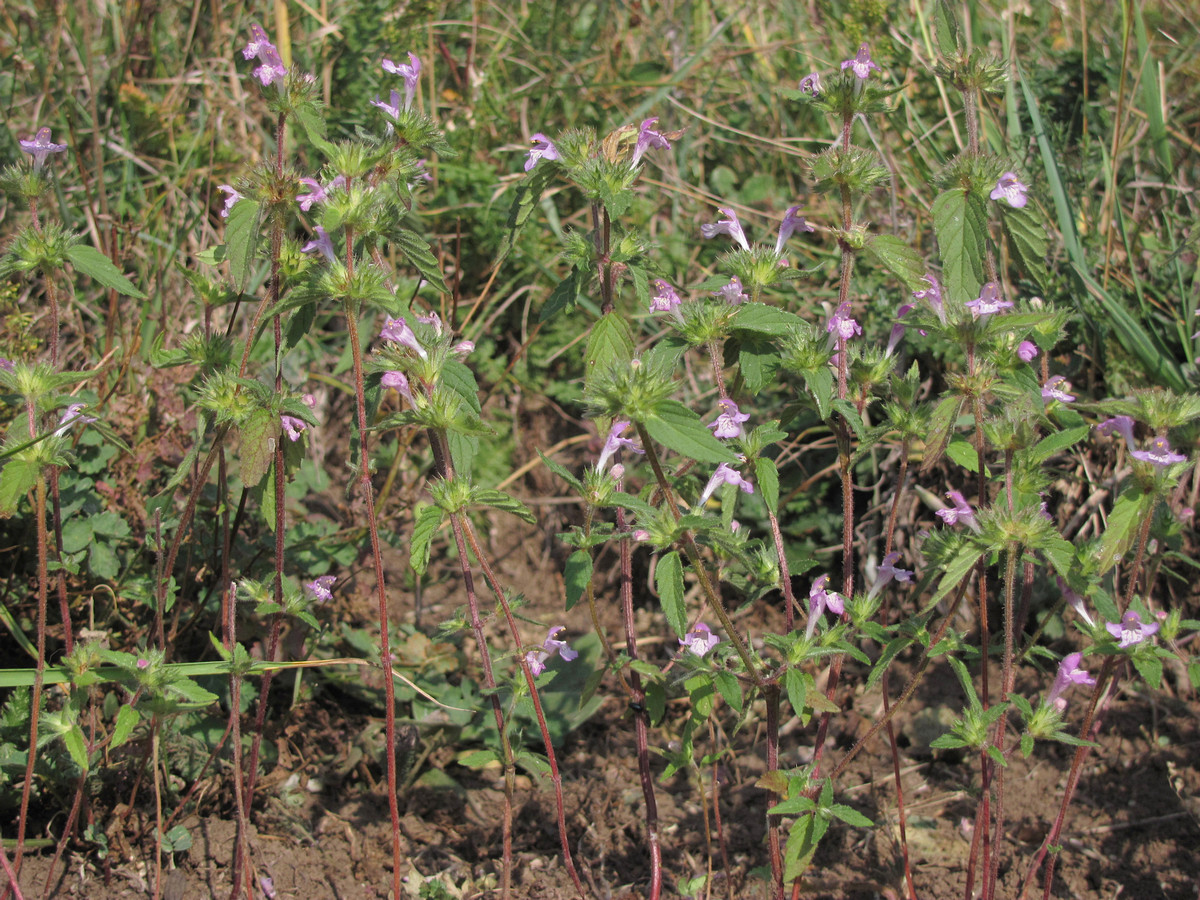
(850, 815)
(960, 223)
(16, 478)
(260, 434)
(678, 428)
(192, 692)
(797, 690)
(820, 387)
(314, 127)
(960, 450)
(656, 702)
(94, 264)
(241, 240)
(758, 361)
(610, 344)
(1150, 667)
(560, 471)
(940, 422)
(668, 579)
(947, 29)
(766, 476)
(958, 568)
(1026, 240)
(529, 191)
(764, 319)
(428, 521)
(478, 759)
(576, 575)
(77, 746)
(460, 379)
(898, 258)
(562, 297)
(127, 719)
(1056, 443)
(1130, 510)
(505, 503)
(729, 687)
(416, 250)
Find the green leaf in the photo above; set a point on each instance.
(676, 427)
(560, 471)
(241, 239)
(127, 718)
(766, 475)
(941, 421)
(460, 379)
(850, 815)
(562, 297)
(820, 385)
(1026, 240)
(428, 521)
(797, 690)
(764, 319)
(94, 264)
(656, 702)
(478, 759)
(77, 746)
(730, 688)
(505, 503)
(576, 575)
(960, 450)
(260, 433)
(529, 191)
(947, 29)
(610, 344)
(958, 568)
(314, 127)
(758, 361)
(668, 579)
(191, 691)
(1056, 443)
(1131, 509)
(960, 223)
(16, 479)
(1150, 667)
(898, 258)
(416, 250)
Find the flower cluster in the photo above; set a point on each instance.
(536, 659)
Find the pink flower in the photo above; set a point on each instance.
(933, 294)
(988, 302)
(397, 380)
(729, 423)
(233, 198)
(729, 225)
(1074, 601)
(666, 299)
(73, 415)
(862, 63)
(1009, 189)
(260, 45)
(1121, 424)
(811, 84)
(40, 147)
(961, 510)
(1027, 350)
(1069, 673)
(410, 72)
(898, 329)
(648, 138)
(536, 659)
(725, 475)
(732, 293)
(615, 442)
(293, 427)
(699, 640)
(1052, 390)
(1160, 453)
(790, 225)
(820, 600)
(888, 572)
(398, 331)
(1131, 629)
(541, 149)
(322, 243)
(842, 325)
(321, 589)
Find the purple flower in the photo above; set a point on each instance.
(322, 242)
(699, 640)
(1074, 601)
(861, 64)
(317, 194)
(988, 301)
(1027, 350)
(397, 330)
(615, 442)
(648, 138)
(1051, 390)
(320, 589)
(1010, 189)
(732, 293)
(729, 225)
(888, 572)
(143, 664)
(1069, 673)
(260, 45)
(536, 659)
(961, 510)
(820, 600)
(724, 475)
(1131, 630)
(1159, 454)
(40, 147)
(393, 109)
(397, 380)
(666, 299)
(233, 198)
(433, 320)
(541, 149)
(411, 73)
(293, 427)
(811, 84)
(790, 225)
(729, 423)
(7, 365)
(933, 294)
(898, 328)
(842, 325)
(463, 349)
(1120, 424)
(72, 415)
